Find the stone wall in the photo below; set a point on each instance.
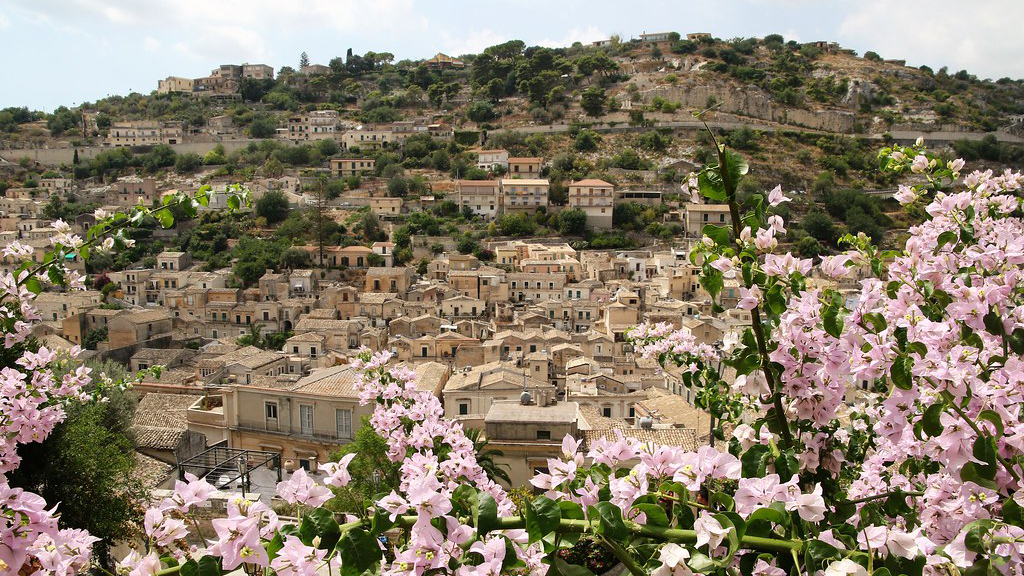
(58, 156)
(753, 102)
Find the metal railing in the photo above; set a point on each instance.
(270, 426)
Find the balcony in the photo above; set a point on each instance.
(278, 428)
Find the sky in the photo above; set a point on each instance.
(74, 51)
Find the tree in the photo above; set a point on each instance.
(572, 222)
(485, 457)
(294, 258)
(398, 186)
(273, 206)
(872, 56)
(304, 60)
(586, 141)
(86, 465)
(188, 162)
(328, 147)
(262, 127)
(593, 101)
(371, 469)
(94, 336)
(253, 337)
(480, 112)
(370, 226)
(820, 226)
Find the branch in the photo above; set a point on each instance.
(755, 312)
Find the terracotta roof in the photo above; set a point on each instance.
(337, 382)
(590, 182)
(164, 410)
(683, 437)
(562, 412)
(158, 438)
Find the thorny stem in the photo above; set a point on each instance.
(570, 526)
(623, 557)
(885, 495)
(755, 312)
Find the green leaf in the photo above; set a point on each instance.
(359, 552)
(233, 202)
(985, 451)
(562, 568)
(772, 515)
(710, 184)
(735, 167)
(974, 540)
(900, 372)
(656, 515)
(931, 421)
(945, 238)
(165, 218)
(55, 274)
(611, 523)
(1016, 340)
(723, 501)
(542, 517)
(832, 316)
(993, 323)
(720, 234)
(32, 285)
(700, 563)
(876, 322)
(1013, 513)
(712, 281)
(570, 510)
(775, 299)
(969, 473)
(319, 522)
(818, 554)
(206, 566)
(485, 512)
(993, 417)
(755, 460)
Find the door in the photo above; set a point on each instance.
(306, 419)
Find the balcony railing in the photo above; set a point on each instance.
(270, 426)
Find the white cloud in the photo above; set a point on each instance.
(225, 43)
(944, 33)
(471, 43)
(151, 44)
(5, 22)
(586, 36)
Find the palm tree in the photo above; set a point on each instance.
(253, 337)
(485, 457)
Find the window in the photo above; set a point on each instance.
(270, 408)
(606, 412)
(312, 351)
(266, 315)
(295, 349)
(543, 434)
(344, 421)
(463, 408)
(306, 419)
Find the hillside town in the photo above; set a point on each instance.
(503, 257)
(526, 346)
